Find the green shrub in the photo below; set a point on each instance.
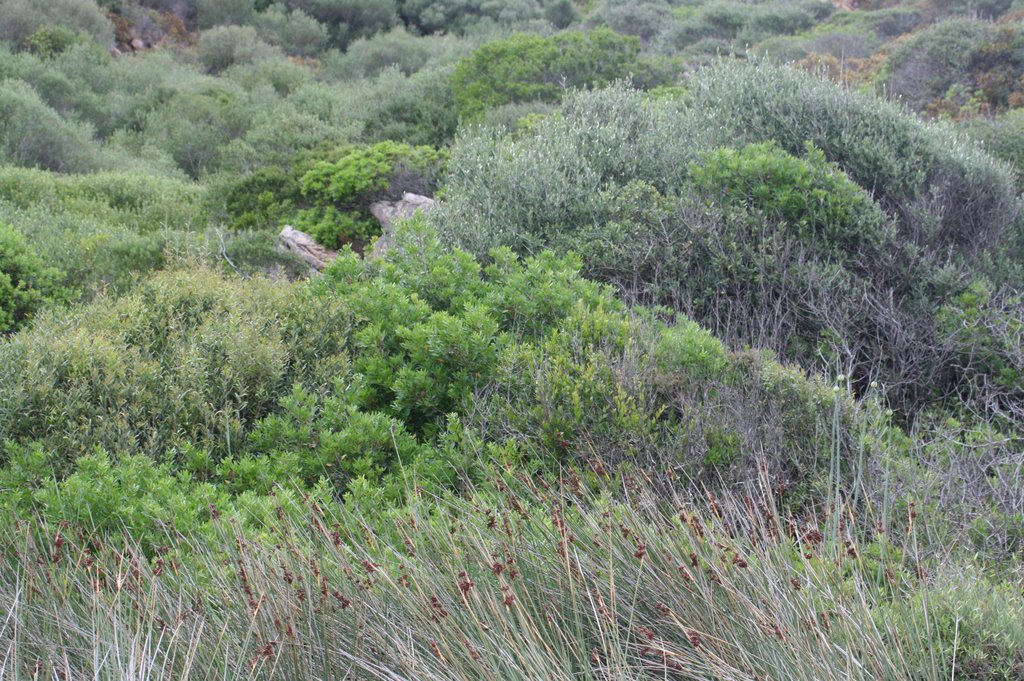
(957, 69)
(801, 255)
(724, 26)
(142, 203)
(348, 20)
(368, 57)
(295, 32)
(985, 329)
(341, 191)
(815, 199)
(32, 134)
(526, 68)
(643, 19)
(26, 284)
(194, 126)
(406, 350)
(185, 358)
(420, 109)
(225, 46)
(49, 42)
(150, 501)
(1002, 136)
(210, 13)
(466, 16)
(20, 20)
(943, 191)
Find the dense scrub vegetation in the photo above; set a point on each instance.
(707, 363)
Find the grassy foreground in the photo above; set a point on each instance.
(533, 580)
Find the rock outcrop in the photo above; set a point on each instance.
(388, 212)
(302, 245)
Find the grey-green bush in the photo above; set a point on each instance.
(617, 178)
(32, 134)
(20, 19)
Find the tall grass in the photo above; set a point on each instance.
(529, 580)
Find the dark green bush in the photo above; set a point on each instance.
(26, 284)
(419, 110)
(295, 32)
(463, 16)
(185, 358)
(942, 67)
(348, 20)
(806, 256)
(34, 135)
(526, 68)
(985, 330)
(341, 191)
(20, 20)
(194, 126)
(944, 192)
(225, 46)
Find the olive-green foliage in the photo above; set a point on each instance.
(644, 19)
(92, 253)
(94, 87)
(943, 191)
(225, 46)
(419, 109)
(34, 135)
(1002, 136)
(526, 67)
(26, 284)
(341, 191)
(597, 139)
(210, 13)
(776, 246)
(985, 9)
(100, 229)
(49, 42)
(293, 31)
(194, 126)
(348, 20)
(976, 621)
(942, 58)
(885, 24)
(368, 57)
(143, 203)
(724, 26)
(185, 358)
(20, 20)
(463, 16)
(413, 364)
(846, 35)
